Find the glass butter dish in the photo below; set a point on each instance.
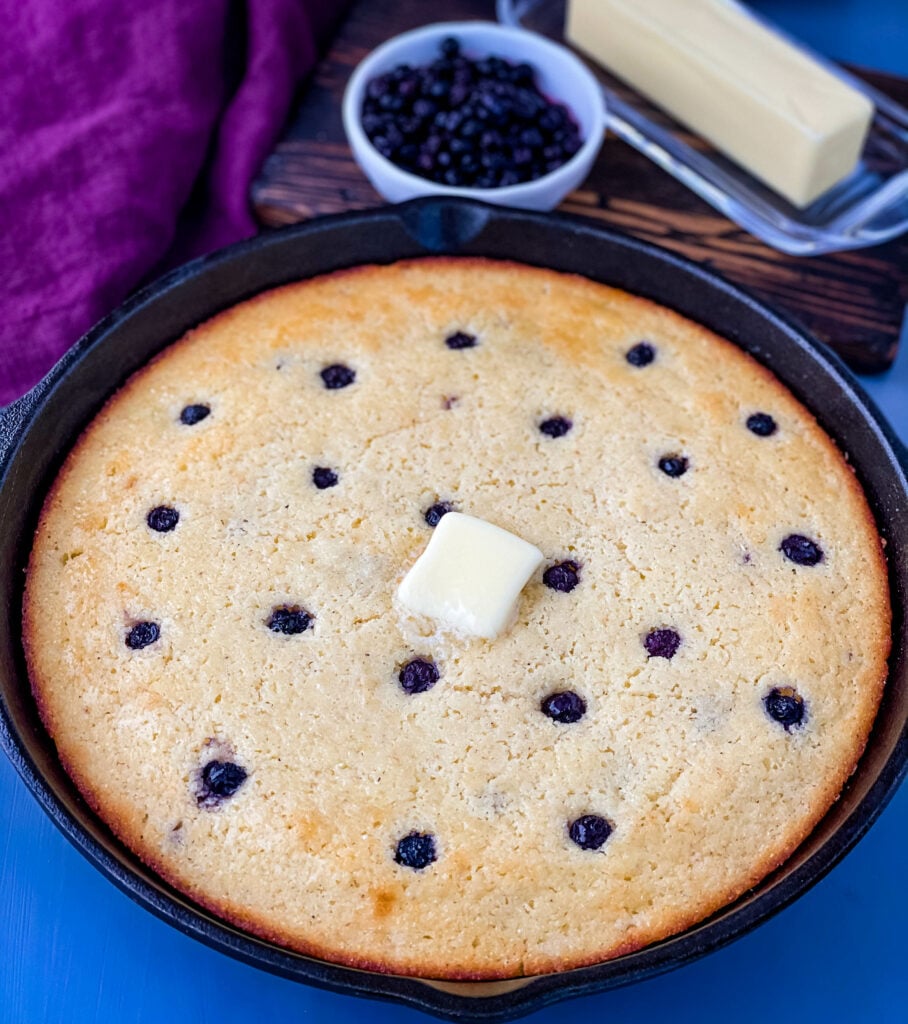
(868, 207)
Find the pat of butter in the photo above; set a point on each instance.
(470, 576)
(768, 106)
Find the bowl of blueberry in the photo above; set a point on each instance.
(474, 109)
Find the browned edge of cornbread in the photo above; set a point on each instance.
(669, 924)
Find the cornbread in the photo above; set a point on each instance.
(214, 644)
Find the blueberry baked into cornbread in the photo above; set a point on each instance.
(215, 642)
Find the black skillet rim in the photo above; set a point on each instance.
(439, 226)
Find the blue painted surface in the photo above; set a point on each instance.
(74, 949)
(873, 33)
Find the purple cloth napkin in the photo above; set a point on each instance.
(129, 135)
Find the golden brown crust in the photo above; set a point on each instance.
(579, 333)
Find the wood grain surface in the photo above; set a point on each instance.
(855, 301)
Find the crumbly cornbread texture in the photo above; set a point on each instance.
(291, 750)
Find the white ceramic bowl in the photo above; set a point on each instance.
(559, 74)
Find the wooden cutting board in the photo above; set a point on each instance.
(855, 301)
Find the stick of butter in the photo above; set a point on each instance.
(768, 106)
(470, 576)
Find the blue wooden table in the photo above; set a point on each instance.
(74, 949)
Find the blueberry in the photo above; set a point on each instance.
(526, 106)
(662, 643)
(565, 707)
(425, 108)
(416, 850)
(394, 136)
(642, 354)
(460, 340)
(469, 164)
(461, 98)
(523, 74)
(785, 706)
(418, 675)
(220, 779)
(142, 634)
(162, 519)
(801, 550)
(458, 96)
(289, 620)
(377, 87)
(563, 576)
(193, 414)
(337, 376)
(531, 137)
(324, 477)
(390, 103)
(674, 465)
(433, 513)
(408, 87)
(761, 424)
(590, 831)
(557, 426)
(408, 154)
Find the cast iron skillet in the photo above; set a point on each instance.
(37, 431)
